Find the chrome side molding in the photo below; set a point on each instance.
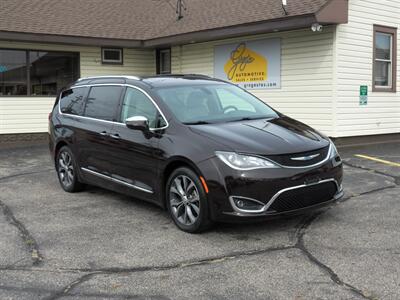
(117, 181)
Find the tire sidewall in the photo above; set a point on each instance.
(203, 219)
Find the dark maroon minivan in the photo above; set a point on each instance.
(202, 148)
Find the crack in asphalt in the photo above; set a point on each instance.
(104, 271)
(29, 240)
(24, 174)
(307, 222)
(351, 165)
(70, 286)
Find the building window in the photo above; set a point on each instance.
(112, 56)
(164, 61)
(51, 71)
(36, 73)
(13, 73)
(385, 64)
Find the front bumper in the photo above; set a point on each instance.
(282, 191)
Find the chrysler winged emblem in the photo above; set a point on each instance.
(305, 158)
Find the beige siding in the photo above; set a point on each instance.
(30, 114)
(307, 73)
(354, 55)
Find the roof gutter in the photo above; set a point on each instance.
(66, 39)
(333, 12)
(233, 31)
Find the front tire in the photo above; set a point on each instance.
(187, 201)
(67, 171)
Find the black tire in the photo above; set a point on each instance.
(67, 171)
(202, 221)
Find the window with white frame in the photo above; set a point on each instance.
(384, 69)
(112, 56)
(164, 61)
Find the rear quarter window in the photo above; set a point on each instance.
(72, 101)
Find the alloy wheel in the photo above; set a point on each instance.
(184, 200)
(66, 169)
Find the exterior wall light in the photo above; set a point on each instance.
(316, 27)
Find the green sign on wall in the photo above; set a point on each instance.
(363, 95)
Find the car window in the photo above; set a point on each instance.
(230, 100)
(213, 103)
(136, 103)
(72, 101)
(103, 102)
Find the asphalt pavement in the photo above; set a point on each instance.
(101, 245)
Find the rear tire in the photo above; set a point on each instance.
(67, 171)
(187, 201)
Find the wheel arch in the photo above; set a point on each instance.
(59, 145)
(173, 164)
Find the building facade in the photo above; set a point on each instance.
(341, 78)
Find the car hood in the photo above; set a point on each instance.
(267, 137)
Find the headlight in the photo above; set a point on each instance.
(334, 151)
(244, 162)
(335, 157)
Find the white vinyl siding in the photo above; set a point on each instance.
(30, 114)
(306, 75)
(354, 55)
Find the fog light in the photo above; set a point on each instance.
(239, 203)
(246, 204)
(337, 161)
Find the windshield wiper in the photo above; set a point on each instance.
(253, 118)
(197, 123)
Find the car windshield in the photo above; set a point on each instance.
(213, 103)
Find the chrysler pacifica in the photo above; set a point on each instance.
(204, 149)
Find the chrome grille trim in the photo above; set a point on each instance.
(273, 199)
(301, 167)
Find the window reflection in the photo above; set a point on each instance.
(48, 72)
(13, 73)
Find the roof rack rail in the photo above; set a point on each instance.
(182, 75)
(111, 76)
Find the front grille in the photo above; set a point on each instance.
(287, 159)
(304, 197)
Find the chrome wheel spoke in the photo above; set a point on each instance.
(190, 214)
(184, 200)
(70, 176)
(175, 191)
(62, 175)
(179, 186)
(184, 183)
(190, 187)
(61, 163)
(66, 169)
(195, 208)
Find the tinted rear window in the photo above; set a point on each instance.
(72, 101)
(103, 102)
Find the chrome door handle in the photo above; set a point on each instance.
(115, 136)
(103, 133)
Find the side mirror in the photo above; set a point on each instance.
(138, 123)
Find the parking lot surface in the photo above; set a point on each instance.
(101, 245)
